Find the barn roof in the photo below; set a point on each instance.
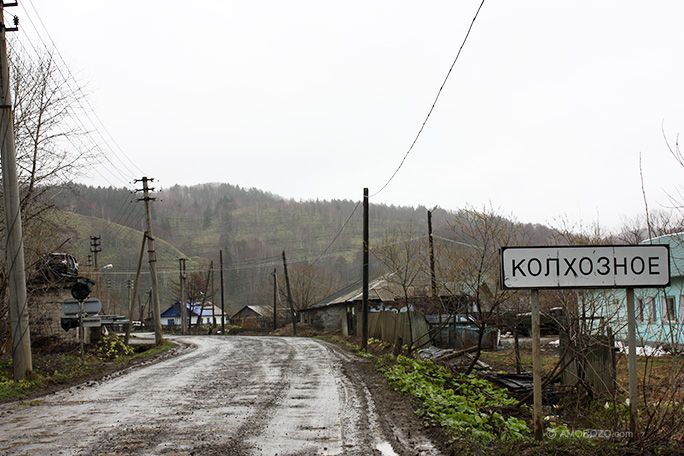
(379, 289)
(259, 310)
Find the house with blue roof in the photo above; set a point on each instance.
(659, 311)
(198, 314)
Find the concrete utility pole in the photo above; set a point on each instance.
(131, 302)
(18, 306)
(364, 302)
(152, 260)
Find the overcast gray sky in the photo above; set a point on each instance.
(544, 116)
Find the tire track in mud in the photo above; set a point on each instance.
(225, 400)
(227, 396)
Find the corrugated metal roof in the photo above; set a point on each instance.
(379, 289)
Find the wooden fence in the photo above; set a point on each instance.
(591, 362)
(387, 326)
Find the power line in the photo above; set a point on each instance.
(434, 103)
(338, 233)
(76, 140)
(104, 127)
(97, 124)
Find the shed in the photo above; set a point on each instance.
(254, 317)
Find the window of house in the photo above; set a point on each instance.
(652, 310)
(640, 309)
(681, 308)
(669, 309)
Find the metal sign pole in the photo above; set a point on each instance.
(80, 326)
(536, 367)
(632, 362)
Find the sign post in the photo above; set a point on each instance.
(536, 368)
(621, 266)
(632, 361)
(80, 291)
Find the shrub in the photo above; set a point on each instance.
(112, 347)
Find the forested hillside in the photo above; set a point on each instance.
(250, 226)
(322, 239)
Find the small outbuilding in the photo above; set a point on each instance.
(253, 317)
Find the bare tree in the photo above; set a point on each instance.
(310, 284)
(473, 265)
(661, 222)
(47, 131)
(404, 263)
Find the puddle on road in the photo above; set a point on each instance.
(386, 449)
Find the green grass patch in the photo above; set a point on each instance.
(54, 369)
(155, 350)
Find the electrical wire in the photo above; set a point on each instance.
(76, 140)
(434, 103)
(79, 98)
(338, 233)
(99, 121)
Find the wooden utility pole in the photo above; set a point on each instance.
(223, 307)
(275, 300)
(95, 247)
(213, 315)
(433, 278)
(364, 302)
(183, 308)
(18, 305)
(289, 296)
(135, 288)
(152, 260)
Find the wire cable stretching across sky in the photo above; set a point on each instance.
(434, 103)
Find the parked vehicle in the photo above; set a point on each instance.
(549, 322)
(58, 266)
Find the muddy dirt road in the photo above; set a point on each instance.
(221, 396)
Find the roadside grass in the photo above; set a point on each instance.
(61, 366)
(479, 418)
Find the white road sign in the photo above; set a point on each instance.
(629, 266)
(91, 306)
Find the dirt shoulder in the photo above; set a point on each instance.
(397, 413)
